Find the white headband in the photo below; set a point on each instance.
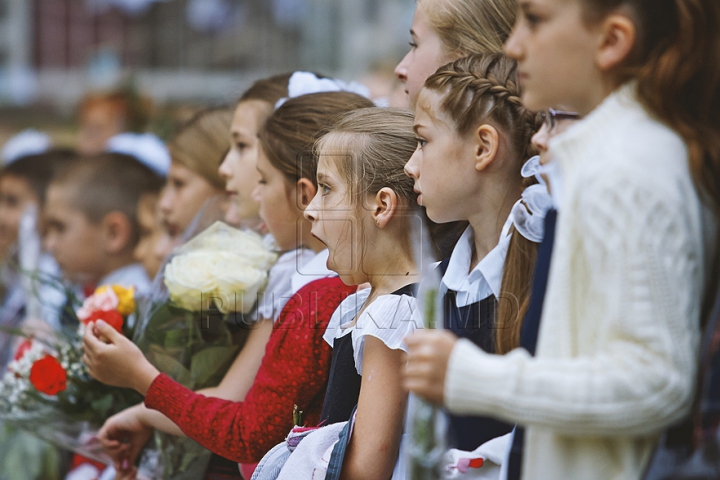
(147, 148)
(528, 213)
(26, 143)
(304, 83)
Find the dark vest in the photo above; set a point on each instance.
(531, 327)
(476, 322)
(343, 390)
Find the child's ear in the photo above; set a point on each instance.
(305, 192)
(486, 142)
(384, 206)
(618, 35)
(117, 231)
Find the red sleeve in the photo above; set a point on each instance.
(294, 371)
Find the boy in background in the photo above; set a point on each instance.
(91, 215)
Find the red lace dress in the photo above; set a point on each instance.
(294, 371)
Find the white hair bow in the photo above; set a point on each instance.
(528, 213)
(304, 83)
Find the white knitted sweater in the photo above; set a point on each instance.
(616, 354)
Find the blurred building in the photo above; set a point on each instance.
(179, 50)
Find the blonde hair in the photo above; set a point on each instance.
(471, 26)
(202, 143)
(484, 88)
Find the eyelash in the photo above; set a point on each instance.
(324, 188)
(241, 146)
(533, 20)
(421, 142)
(413, 45)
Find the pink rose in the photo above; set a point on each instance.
(106, 300)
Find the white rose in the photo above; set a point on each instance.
(189, 277)
(238, 283)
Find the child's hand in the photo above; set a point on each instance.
(123, 436)
(428, 356)
(114, 360)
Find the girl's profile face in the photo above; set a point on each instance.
(426, 55)
(239, 166)
(336, 222)
(442, 166)
(555, 49)
(278, 208)
(182, 197)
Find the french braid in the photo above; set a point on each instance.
(484, 87)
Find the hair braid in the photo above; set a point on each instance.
(484, 89)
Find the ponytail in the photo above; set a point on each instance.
(677, 66)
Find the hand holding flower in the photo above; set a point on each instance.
(114, 360)
(428, 356)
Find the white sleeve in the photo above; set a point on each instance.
(390, 318)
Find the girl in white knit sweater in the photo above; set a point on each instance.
(616, 352)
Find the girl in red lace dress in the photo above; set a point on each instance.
(295, 368)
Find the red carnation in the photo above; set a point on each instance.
(111, 317)
(22, 348)
(48, 376)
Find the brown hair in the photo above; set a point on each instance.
(484, 88)
(106, 183)
(268, 90)
(676, 62)
(471, 26)
(372, 146)
(202, 143)
(39, 169)
(288, 136)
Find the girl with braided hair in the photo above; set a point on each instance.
(635, 246)
(473, 137)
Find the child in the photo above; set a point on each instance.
(150, 232)
(196, 151)
(23, 185)
(295, 367)
(446, 30)
(617, 342)
(364, 212)
(473, 136)
(91, 215)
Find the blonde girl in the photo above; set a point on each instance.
(294, 369)
(446, 30)
(196, 151)
(634, 244)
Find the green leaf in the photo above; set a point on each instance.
(168, 365)
(210, 362)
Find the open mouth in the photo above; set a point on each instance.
(319, 239)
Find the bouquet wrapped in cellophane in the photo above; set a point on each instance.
(47, 390)
(196, 320)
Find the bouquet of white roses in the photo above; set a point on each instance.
(200, 311)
